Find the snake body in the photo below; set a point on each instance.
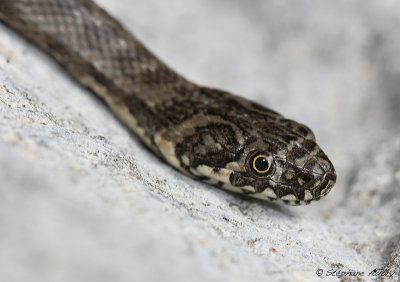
(208, 134)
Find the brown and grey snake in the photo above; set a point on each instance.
(208, 134)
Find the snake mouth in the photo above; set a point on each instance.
(324, 186)
(318, 187)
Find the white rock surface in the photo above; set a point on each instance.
(82, 200)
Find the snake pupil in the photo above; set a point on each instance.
(261, 164)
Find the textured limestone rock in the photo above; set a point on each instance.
(81, 199)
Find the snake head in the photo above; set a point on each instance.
(243, 147)
(284, 163)
(277, 160)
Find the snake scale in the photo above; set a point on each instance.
(208, 134)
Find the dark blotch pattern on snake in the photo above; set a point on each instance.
(208, 134)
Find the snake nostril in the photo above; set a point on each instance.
(305, 180)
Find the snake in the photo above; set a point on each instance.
(208, 134)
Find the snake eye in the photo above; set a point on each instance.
(260, 164)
